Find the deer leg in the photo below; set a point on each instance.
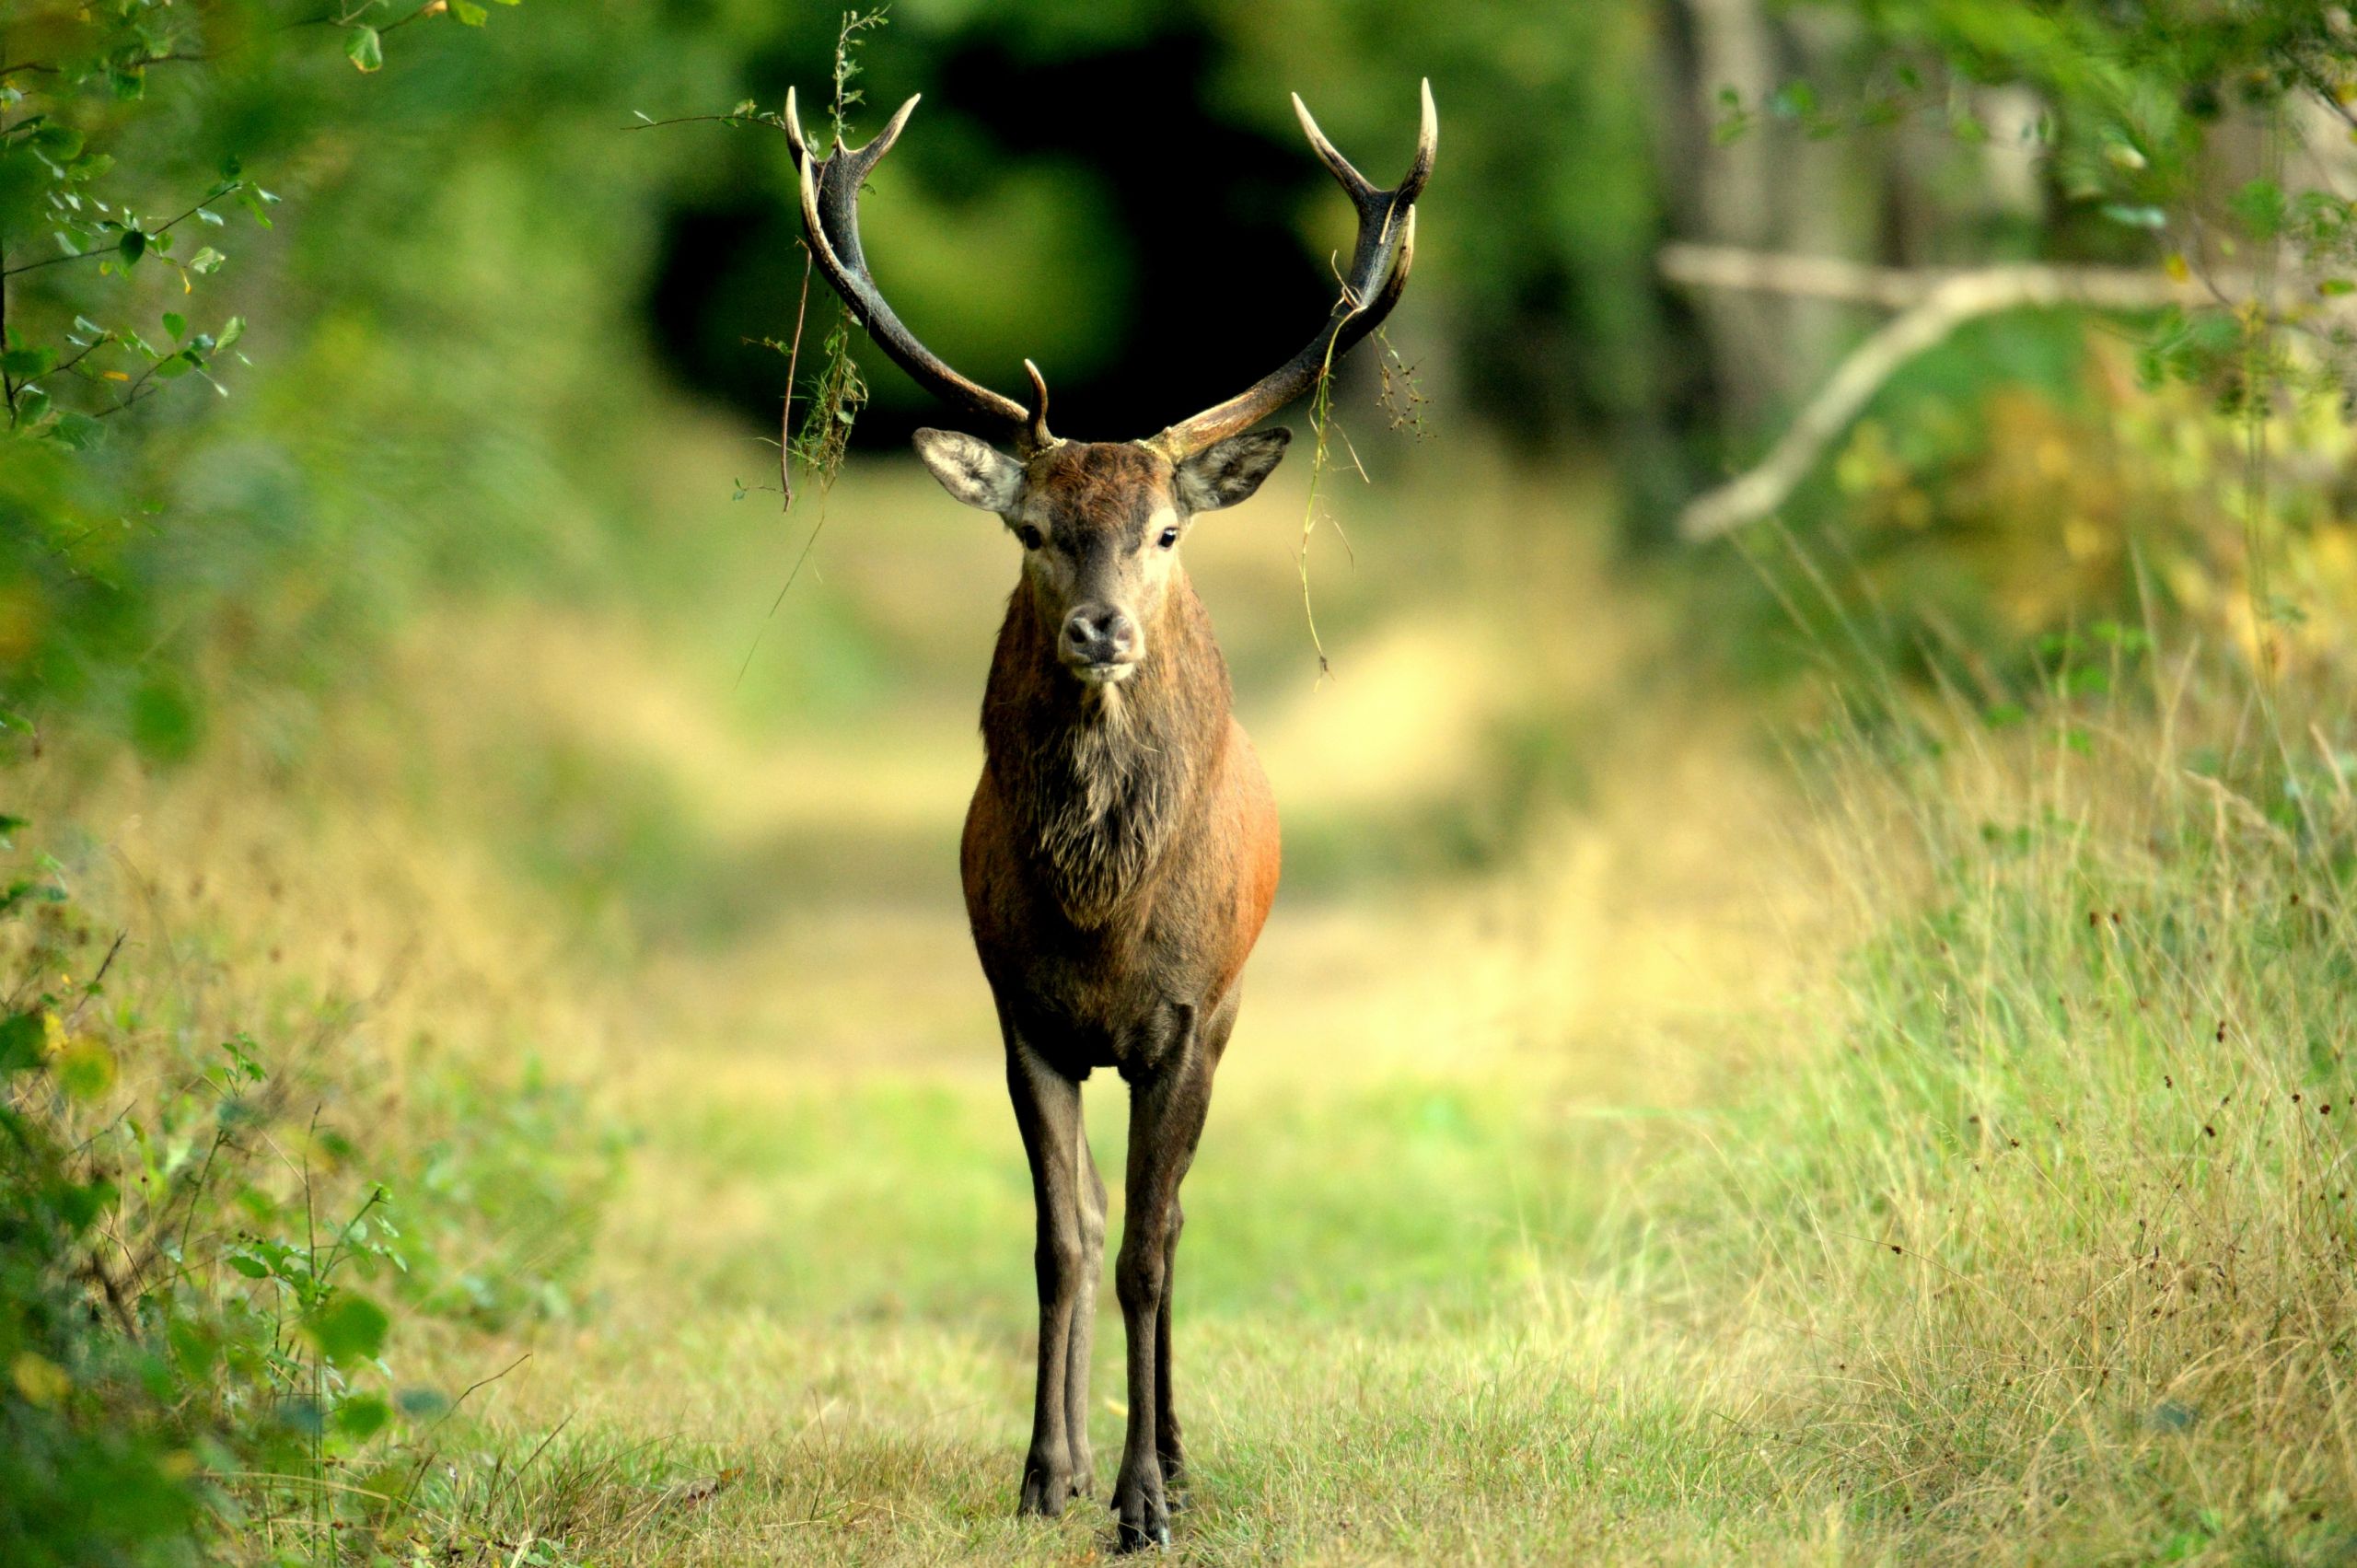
(1047, 1109)
(1169, 1448)
(1167, 1445)
(1091, 1195)
(1166, 1111)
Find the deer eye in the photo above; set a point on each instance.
(1170, 538)
(1029, 535)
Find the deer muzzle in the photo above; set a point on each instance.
(1100, 644)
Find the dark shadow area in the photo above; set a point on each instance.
(1214, 286)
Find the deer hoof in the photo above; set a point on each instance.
(1143, 1537)
(1043, 1495)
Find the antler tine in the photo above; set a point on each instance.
(831, 216)
(1377, 276)
(793, 131)
(1035, 428)
(1361, 188)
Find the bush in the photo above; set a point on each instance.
(206, 1238)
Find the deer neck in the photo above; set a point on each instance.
(1099, 779)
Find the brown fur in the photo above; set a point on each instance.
(1119, 858)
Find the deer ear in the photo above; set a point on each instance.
(1227, 471)
(973, 471)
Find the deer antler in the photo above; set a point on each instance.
(831, 213)
(1377, 276)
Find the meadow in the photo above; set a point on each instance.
(1664, 1127)
(1808, 1015)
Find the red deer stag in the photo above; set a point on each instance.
(1120, 851)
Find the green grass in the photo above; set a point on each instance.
(1630, 1152)
(2023, 1231)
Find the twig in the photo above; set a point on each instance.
(111, 250)
(98, 979)
(426, 1458)
(776, 122)
(786, 414)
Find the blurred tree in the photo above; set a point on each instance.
(2200, 154)
(1121, 194)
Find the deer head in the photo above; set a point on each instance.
(1101, 522)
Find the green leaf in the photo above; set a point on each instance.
(468, 14)
(365, 48)
(167, 724)
(60, 143)
(348, 1329)
(196, 1345)
(80, 1203)
(78, 431)
(1794, 100)
(2259, 204)
(85, 1069)
(21, 1037)
(134, 245)
(363, 1416)
(176, 324)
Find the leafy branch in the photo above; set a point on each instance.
(89, 88)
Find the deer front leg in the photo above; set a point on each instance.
(1167, 1445)
(1166, 1113)
(1084, 1321)
(1047, 1109)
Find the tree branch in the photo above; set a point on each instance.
(1932, 305)
(105, 250)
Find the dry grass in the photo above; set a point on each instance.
(1589, 1076)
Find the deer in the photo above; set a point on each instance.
(1120, 851)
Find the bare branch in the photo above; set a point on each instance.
(1932, 305)
(1898, 288)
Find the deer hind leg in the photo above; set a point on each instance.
(1167, 1110)
(1047, 1109)
(1091, 1194)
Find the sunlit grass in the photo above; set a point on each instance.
(1634, 1149)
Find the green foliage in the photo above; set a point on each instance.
(75, 84)
(2037, 469)
(135, 249)
(200, 1280)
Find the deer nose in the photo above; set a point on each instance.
(1099, 633)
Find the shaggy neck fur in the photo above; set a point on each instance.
(1099, 779)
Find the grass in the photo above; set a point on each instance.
(1635, 1148)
